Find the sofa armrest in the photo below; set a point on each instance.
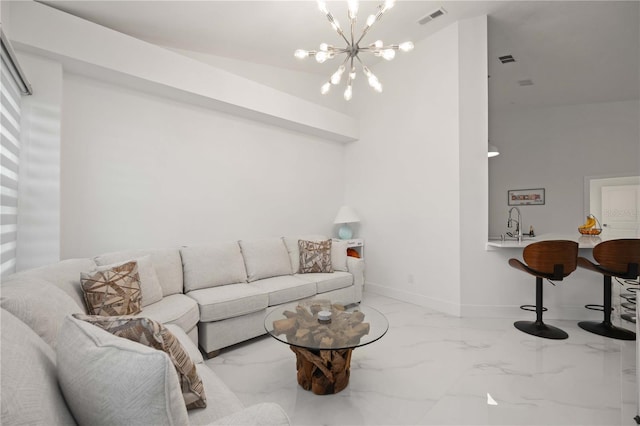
(356, 268)
(258, 414)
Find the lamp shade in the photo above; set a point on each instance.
(493, 151)
(346, 215)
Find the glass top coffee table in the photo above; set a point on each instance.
(323, 335)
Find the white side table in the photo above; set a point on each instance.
(355, 243)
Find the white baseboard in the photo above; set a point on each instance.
(417, 299)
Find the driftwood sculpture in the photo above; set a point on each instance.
(323, 348)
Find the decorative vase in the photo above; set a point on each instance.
(345, 232)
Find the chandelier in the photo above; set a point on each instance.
(353, 48)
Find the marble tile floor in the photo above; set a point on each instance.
(434, 369)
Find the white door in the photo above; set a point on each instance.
(621, 210)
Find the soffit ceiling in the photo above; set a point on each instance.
(573, 51)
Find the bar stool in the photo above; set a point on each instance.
(553, 260)
(616, 258)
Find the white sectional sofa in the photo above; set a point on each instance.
(235, 285)
(216, 295)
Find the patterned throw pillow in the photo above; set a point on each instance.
(315, 256)
(153, 334)
(115, 291)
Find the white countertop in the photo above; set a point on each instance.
(584, 241)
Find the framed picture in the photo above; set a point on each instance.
(525, 197)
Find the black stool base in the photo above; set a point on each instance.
(540, 329)
(607, 330)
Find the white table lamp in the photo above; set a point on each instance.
(345, 216)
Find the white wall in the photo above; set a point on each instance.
(404, 174)
(144, 171)
(555, 148)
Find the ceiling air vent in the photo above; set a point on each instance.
(506, 59)
(527, 82)
(431, 16)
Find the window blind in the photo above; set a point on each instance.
(9, 162)
(12, 86)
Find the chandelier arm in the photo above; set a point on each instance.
(336, 27)
(353, 24)
(361, 63)
(344, 62)
(375, 49)
(366, 29)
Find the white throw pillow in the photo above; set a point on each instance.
(29, 385)
(339, 255)
(108, 380)
(265, 258)
(149, 283)
(212, 265)
(39, 304)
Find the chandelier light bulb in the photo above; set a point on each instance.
(337, 76)
(353, 8)
(301, 54)
(377, 87)
(322, 5)
(336, 25)
(371, 20)
(407, 46)
(377, 44)
(325, 88)
(388, 4)
(388, 54)
(348, 93)
(321, 56)
(324, 47)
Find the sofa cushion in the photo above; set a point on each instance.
(167, 263)
(265, 258)
(212, 265)
(226, 402)
(155, 335)
(65, 275)
(149, 284)
(294, 252)
(108, 380)
(38, 303)
(29, 386)
(228, 301)
(286, 288)
(113, 291)
(328, 282)
(176, 309)
(315, 256)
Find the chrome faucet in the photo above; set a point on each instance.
(518, 222)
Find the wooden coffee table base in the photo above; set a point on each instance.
(323, 372)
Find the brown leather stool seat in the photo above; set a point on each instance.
(553, 260)
(616, 258)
